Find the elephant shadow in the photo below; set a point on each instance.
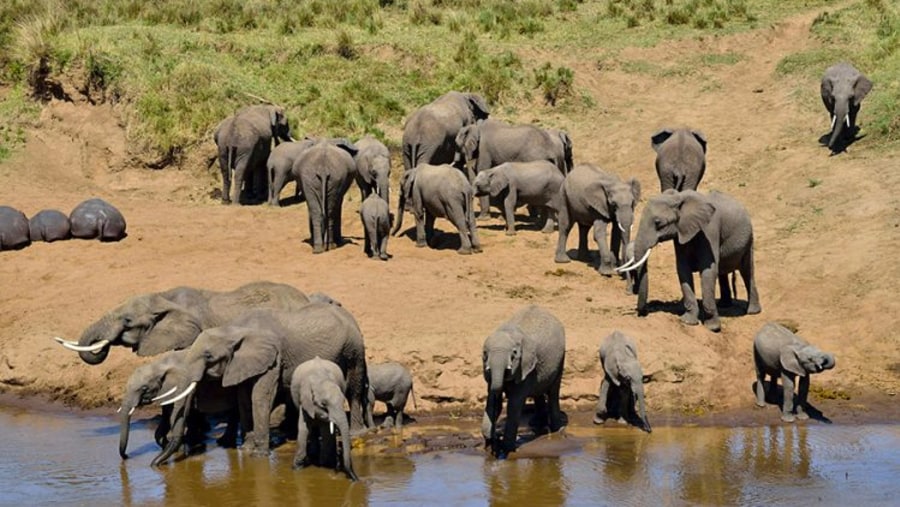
(843, 142)
(293, 200)
(535, 424)
(344, 241)
(440, 240)
(671, 307)
(776, 397)
(523, 222)
(379, 420)
(736, 308)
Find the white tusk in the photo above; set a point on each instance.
(97, 347)
(163, 395)
(622, 228)
(847, 119)
(131, 411)
(180, 396)
(118, 410)
(331, 427)
(629, 263)
(637, 264)
(833, 121)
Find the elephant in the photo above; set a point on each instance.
(522, 358)
(592, 197)
(621, 368)
(680, 158)
(317, 388)
(13, 229)
(429, 134)
(563, 144)
(258, 351)
(154, 323)
(392, 384)
(778, 351)
(244, 141)
(96, 218)
(713, 235)
(843, 88)
(373, 164)
(325, 170)
(160, 376)
(438, 191)
(280, 166)
(513, 184)
(489, 143)
(49, 225)
(376, 219)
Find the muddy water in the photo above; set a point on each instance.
(73, 460)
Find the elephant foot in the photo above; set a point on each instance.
(599, 418)
(802, 416)
(483, 216)
(300, 463)
(689, 319)
(318, 249)
(259, 451)
(510, 232)
(384, 256)
(562, 258)
(788, 418)
(713, 324)
(760, 404)
(753, 309)
(477, 249)
(606, 270)
(622, 421)
(421, 244)
(227, 441)
(464, 251)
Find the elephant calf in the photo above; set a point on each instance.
(392, 384)
(680, 158)
(779, 352)
(317, 388)
(515, 184)
(13, 229)
(376, 219)
(49, 225)
(96, 218)
(279, 169)
(618, 355)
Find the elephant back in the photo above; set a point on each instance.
(96, 218)
(13, 229)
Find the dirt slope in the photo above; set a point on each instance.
(827, 235)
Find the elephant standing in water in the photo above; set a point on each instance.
(779, 352)
(13, 229)
(429, 135)
(712, 234)
(244, 142)
(680, 158)
(392, 384)
(843, 88)
(523, 358)
(317, 389)
(154, 323)
(621, 373)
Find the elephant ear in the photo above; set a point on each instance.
(659, 137)
(174, 327)
(468, 137)
(611, 367)
(499, 181)
(276, 117)
(635, 189)
(790, 361)
(701, 138)
(407, 182)
(529, 356)
(861, 88)
(478, 106)
(345, 145)
(694, 213)
(255, 353)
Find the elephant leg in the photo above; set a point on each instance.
(616, 244)
(276, 184)
(746, 270)
(511, 429)
(556, 423)
(708, 278)
(226, 175)
(565, 226)
(691, 315)
(760, 384)
(549, 219)
(301, 458)
(787, 405)
(337, 215)
(625, 403)
(509, 212)
(456, 213)
(429, 229)
(369, 246)
(607, 261)
(773, 387)
(725, 296)
(601, 413)
(314, 205)
(421, 239)
(229, 438)
(583, 254)
(802, 393)
(382, 246)
(539, 420)
(262, 395)
(161, 435)
(240, 174)
(492, 409)
(484, 206)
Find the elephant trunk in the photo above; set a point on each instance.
(124, 428)
(180, 413)
(637, 387)
(828, 362)
(644, 241)
(108, 328)
(400, 206)
(340, 420)
(839, 118)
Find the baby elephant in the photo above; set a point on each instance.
(392, 384)
(13, 229)
(515, 184)
(376, 220)
(317, 389)
(778, 351)
(618, 354)
(96, 218)
(49, 225)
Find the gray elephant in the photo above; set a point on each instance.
(96, 218)
(13, 229)
(154, 323)
(279, 167)
(680, 158)
(523, 358)
(514, 184)
(325, 170)
(621, 373)
(438, 191)
(317, 388)
(713, 235)
(49, 225)
(429, 134)
(258, 352)
(376, 219)
(489, 143)
(244, 142)
(162, 376)
(373, 168)
(392, 384)
(592, 197)
(779, 352)
(563, 144)
(843, 88)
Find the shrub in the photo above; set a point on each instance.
(554, 83)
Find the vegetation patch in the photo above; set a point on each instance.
(827, 393)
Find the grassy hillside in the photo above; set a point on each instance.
(346, 68)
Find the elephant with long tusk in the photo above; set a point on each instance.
(713, 235)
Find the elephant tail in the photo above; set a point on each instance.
(412, 391)
(325, 218)
(411, 156)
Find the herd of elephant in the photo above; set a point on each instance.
(92, 219)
